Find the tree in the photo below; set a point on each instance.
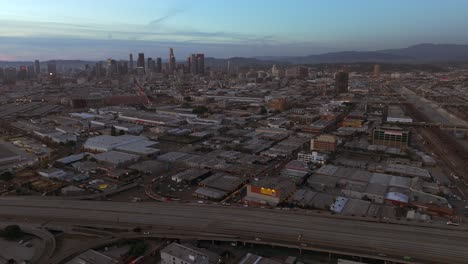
(263, 111)
(121, 132)
(12, 232)
(138, 249)
(6, 176)
(113, 131)
(200, 110)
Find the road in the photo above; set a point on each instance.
(269, 226)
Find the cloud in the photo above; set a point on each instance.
(45, 48)
(172, 13)
(150, 32)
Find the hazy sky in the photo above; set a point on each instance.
(98, 29)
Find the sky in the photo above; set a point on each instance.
(101, 29)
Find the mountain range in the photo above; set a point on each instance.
(421, 53)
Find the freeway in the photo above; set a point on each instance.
(278, 227)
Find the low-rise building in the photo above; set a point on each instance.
(312, 157)
(326, 143)
(187, 254)
(269, 191)
(116, 158)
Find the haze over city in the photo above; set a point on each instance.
(233, 132)
(96, 30)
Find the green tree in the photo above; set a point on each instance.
(263, 111)
(6, 176)
(12, 232)
(200, 110)
(138, 249)
(121, 132)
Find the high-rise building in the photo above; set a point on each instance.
(98, 70)
(193, 64)
(130, 62)
(172, 61)
(341, 82)
(197, 63)
(9, 75)
(277, 72)
(112, 68)
(22, 73)
(201, 63)
(151, 64)
(37, 67)
(52, 69)
(122, 67)
(395, 137)
(141, 60)
(376, 71)
(298, 72)
(158, 65)
(31, 72)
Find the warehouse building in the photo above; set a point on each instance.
(7, 156)
(325, 143)
(135, 144)
(187, 254)
(116, 159)
(269, 191)
(391, 137)
(397, 115)
(190, 176)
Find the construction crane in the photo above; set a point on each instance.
(141, 91)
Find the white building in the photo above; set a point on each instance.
(52, 173)
(312, 157)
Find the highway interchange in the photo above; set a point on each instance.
(287, 228)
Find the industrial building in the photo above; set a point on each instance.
(397, 115)
(391, 137)
(326, 143)
(269, 191)
(187, 254)
(116, 158)
(137, 145)
(7, 156)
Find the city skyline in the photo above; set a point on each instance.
(97, 30)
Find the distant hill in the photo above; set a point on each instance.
(421, 53)
(432, 52)
(413, 54)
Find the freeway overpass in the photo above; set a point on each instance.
(426, 244)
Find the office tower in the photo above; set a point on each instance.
(394, 137)
(201, 63)
(51, 68)
(112, 69)
(193, 64)
(158, 65)
(376, 71)
(189, 63)
(98, 70)
(151, 65)
(131, 62)
(31, 72)
(10, 75)
(22, 73)
(37, 67)
(141, 60)
(172, 61)
(122, 67)
(341, 82)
